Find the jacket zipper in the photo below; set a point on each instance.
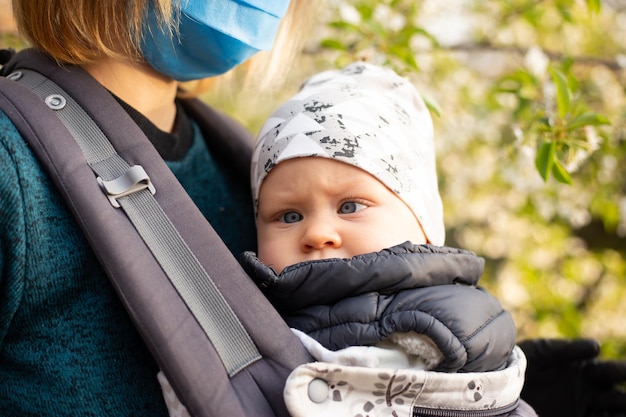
(434, 412)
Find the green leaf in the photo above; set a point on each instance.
(432, 106)
(545, 158)
(405, 55)
(424, 33)
(565, 12)
(545, 123)
(587, 119)
(379, 30)
(365, 10)
(344, 26)
(560, 173)
(333, 44)
(562, 92)
(594, 5)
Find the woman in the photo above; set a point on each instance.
(67, 346)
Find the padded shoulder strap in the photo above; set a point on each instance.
(131, 189)
(178, 343)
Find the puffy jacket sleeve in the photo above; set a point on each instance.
(467, 324)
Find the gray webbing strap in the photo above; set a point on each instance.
(130, 188)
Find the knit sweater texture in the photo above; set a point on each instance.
(67, 347)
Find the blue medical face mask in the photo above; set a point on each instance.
(214, 36)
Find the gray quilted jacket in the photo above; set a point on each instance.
(362, 300)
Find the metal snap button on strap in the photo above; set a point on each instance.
(14, 76)
(318, 390)
(55, 101)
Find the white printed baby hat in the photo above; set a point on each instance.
(366, 116)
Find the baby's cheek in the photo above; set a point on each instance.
(274, 254)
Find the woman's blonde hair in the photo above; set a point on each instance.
(81, 32)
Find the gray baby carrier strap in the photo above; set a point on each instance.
(222, 346)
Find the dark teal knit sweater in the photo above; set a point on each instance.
(67, 348)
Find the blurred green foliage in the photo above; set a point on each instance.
(529, 104)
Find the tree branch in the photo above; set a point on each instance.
(613, 65)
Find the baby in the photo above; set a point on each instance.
(350, 234)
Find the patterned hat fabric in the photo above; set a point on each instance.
(365, 116)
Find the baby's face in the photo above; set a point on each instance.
(318, 208)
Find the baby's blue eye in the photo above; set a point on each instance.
(291, 217)
(351, 207)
